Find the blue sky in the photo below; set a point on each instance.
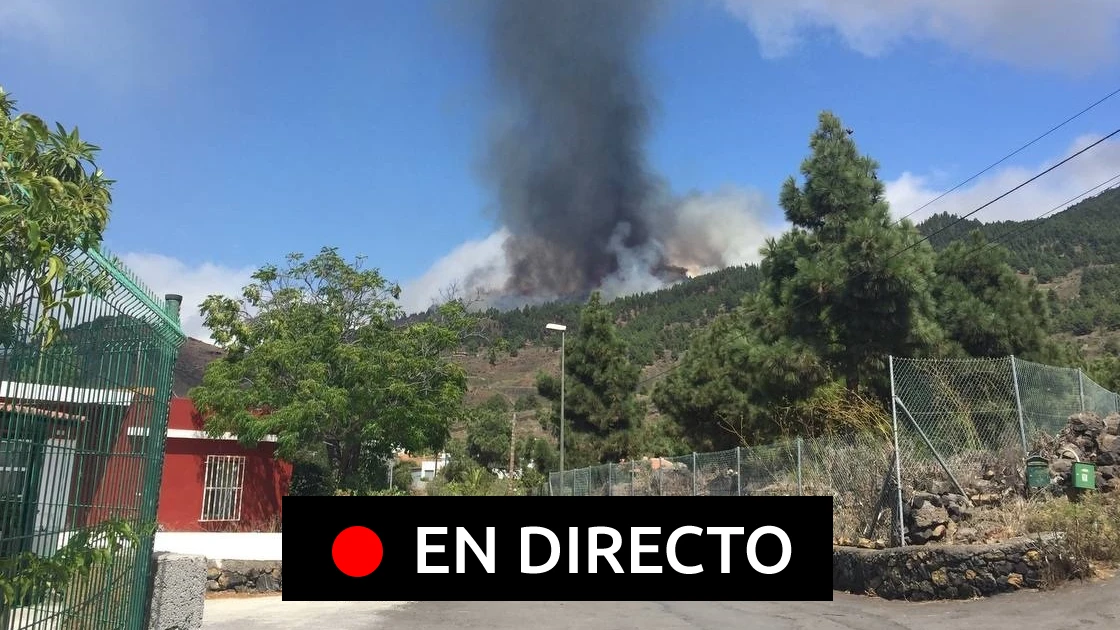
(238, 134)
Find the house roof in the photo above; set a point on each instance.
(194, 356)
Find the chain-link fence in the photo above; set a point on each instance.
(961, 424)
(83, 421)
(849, 468)
(955, 421)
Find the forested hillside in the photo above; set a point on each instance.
(1075, 255)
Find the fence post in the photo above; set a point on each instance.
(694, 473)
(897, 458)
(799, 492)
(660, 469)
(1019, 406)
(1081, 388)
(610, 479)
(632, 472)
(739, 471)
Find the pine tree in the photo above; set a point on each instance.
(601, 407)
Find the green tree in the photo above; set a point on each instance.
(488, 435)
(983, 306)
(847, 280)
(314, 358)
(53, 200)
(601, 406)
(840, 291)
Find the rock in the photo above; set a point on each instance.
(1061, 467)
(1086, 423)
(1110, 455)
(213, 573)
(1112, 424)
(987, 498)
(1015, 580)
(267, 583)
(231, 579)
(939, 577)
(212, 585)
(922, 498)
(938, 532)
(929, 516)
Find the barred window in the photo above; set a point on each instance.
(221, 496)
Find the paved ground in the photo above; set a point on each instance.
(1076, 606)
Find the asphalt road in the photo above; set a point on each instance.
(1095, 605)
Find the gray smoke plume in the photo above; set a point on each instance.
(573, 189)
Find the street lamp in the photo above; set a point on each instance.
(562, 328)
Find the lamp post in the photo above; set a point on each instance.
(562, 328)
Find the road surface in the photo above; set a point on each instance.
(1090, 605)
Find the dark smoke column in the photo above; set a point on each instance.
(568, 159)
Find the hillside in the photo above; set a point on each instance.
(1074, 255)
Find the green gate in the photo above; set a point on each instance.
(83, 423)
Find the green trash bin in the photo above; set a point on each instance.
(1084, 476)
(1038, 472)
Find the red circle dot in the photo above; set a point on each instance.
(357, 551)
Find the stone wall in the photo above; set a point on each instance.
(921, 573)
(244, 576)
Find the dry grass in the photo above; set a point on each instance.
(1091, 525)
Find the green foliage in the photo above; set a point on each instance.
(53, 200)
(488, 435)
(313, 358)
(983, 306)
(27, 577)
(654, 325)
(842, 290)
(601, 407)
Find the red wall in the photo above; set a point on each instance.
(184, 470)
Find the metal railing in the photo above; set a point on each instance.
(83, 422)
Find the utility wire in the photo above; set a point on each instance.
(1012, 154)
(1031, 224)
(962, 218)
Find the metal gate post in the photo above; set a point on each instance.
(739, 471)
(1081, 388)
(694, 473)
(660, 470)
(799, 492)
(1019, 406)
(897, 459)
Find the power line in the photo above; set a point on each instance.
(1011, 155)
(1031, 224)
(926, 238)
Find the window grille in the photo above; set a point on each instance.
(221, 496)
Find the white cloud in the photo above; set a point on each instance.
(1072, 35)
(116, 43)
(164, 274)
(910, 191)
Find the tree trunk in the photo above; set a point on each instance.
(852, 378)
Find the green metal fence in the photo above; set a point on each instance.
(82, 428)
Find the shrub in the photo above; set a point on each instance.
(1091, 525)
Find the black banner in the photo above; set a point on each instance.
(521, 548)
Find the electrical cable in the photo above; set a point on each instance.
(962, 218)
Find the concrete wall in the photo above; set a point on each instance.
(178, 592)
(221, 545)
